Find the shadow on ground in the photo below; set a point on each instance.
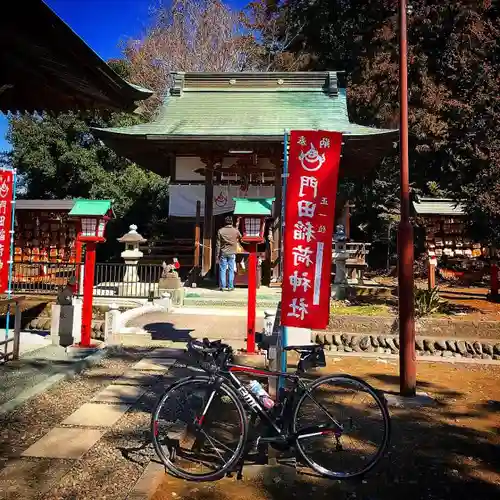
(447, 451)
(167, 331)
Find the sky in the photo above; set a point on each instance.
(102, 24)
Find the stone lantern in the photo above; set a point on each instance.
(340, 255)
(131, 255)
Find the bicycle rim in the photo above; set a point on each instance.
(365, 422)
(194, 455)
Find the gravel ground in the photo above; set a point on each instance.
(33, 367)
(106, 468)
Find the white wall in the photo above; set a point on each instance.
(185, 167)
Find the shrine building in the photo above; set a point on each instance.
(220, 135)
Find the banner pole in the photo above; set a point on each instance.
(11, 250)
(282, 341)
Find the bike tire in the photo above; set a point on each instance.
(341, 380)
(165, 458)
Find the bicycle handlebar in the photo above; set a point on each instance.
(209, 353)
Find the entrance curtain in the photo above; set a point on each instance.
(183, 198)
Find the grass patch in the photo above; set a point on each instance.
(341, 309)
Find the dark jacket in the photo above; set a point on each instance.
(227, 241)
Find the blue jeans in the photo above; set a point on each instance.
(227, 262)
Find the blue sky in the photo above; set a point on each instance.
(102, 24)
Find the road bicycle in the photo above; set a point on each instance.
(201, 425)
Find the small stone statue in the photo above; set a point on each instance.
(170, 269)
(340, 235)
(65, 296)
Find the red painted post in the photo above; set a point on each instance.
(252, 297)
(494, 280)
(88, 293)
(407, 355)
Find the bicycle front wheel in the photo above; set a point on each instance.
(357, 423)
(198, 432)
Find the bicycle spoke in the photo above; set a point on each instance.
(363, 421)
(214, 447)
(208, 435)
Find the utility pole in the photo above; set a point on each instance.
(407, 355)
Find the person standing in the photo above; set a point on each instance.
(228, 239)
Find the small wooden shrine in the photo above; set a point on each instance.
(444, 223)
(47, 230)
(44, 231)
(220, 136)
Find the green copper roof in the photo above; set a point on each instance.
(253, 206)
(91, 207)
(251, 105)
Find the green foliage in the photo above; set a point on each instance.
(427, 302)
(454, 84)
(57, 157)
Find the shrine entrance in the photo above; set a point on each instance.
(221, 136)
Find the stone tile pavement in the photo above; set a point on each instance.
(70, 445)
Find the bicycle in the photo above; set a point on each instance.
(219, 406)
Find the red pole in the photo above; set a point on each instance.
(88, 293)
(494, 280)
(407, 356)
(252, 297)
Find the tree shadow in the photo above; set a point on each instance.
(167, 331)
(437, 389)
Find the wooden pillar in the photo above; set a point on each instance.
(347, 209)
(208, 219)
(277, 231)
(431, 276)
(197, 234)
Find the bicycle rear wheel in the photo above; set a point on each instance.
(199, 433)
(364, 420)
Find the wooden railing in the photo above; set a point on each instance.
(6, 355)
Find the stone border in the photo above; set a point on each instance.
(389, 344)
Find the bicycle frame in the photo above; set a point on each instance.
(283, 434)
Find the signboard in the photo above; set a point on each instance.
(311, 191)
(6, 196)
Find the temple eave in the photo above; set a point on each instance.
(360, 153)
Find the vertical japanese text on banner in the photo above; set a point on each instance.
(309, 213)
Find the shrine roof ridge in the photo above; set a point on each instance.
(299, 81)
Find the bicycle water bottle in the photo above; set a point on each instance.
(260, 393)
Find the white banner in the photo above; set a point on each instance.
(183, 198)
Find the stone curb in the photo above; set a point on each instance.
(46, 384)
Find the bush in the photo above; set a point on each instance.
(427, 302)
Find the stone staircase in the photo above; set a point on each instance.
(266, 298)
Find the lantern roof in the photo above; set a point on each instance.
(96, 208)
(132, 236)
(253, 206)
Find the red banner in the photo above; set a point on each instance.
(311, 191)
(6, 197)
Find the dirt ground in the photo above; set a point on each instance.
(447, 451)
(471, 303)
